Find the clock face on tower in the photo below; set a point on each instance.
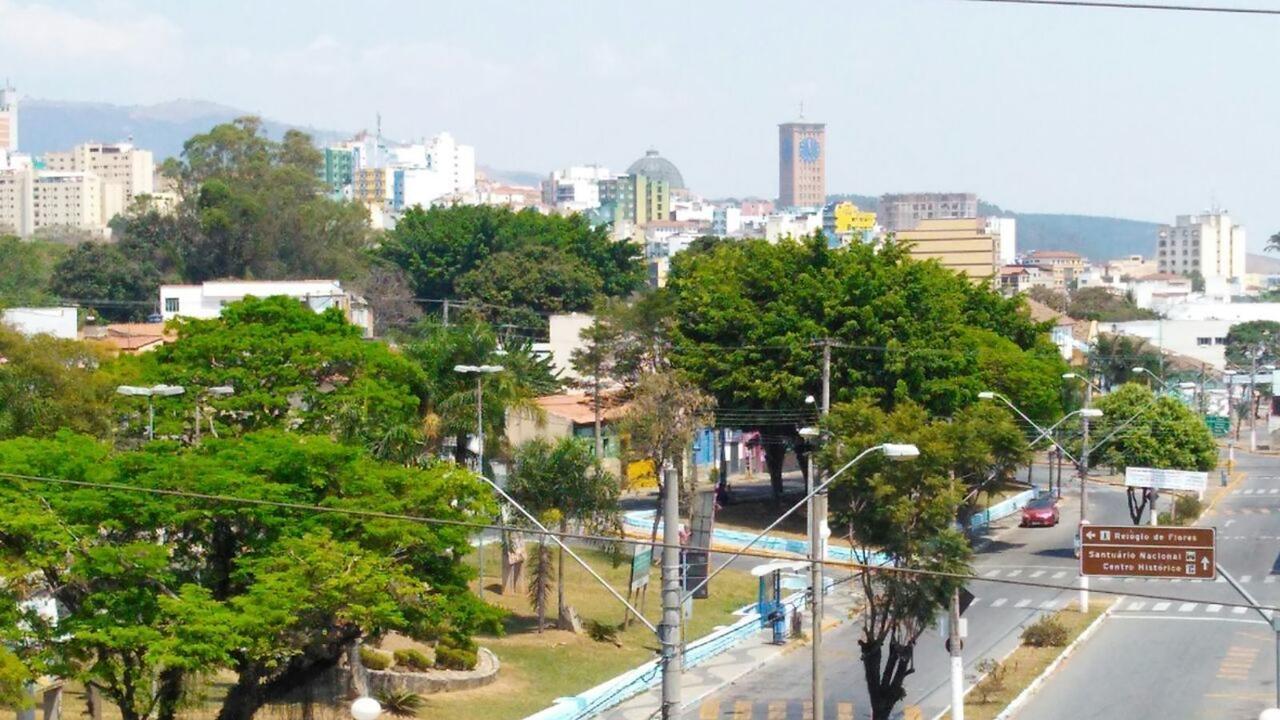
(809, 150)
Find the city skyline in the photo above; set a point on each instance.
(1047, 123)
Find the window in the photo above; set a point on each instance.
(1204, 341)
(171, 305)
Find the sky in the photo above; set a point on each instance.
(1136, 114)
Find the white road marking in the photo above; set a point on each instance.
(1136, 606)
(1014, 573)
(999, 601)
(1269, 579)
(1186, 607)
(1160, 607)
(1246, 578)
(1047, 605)
(1190, 618)
(991, 573)
(1059, 574)
(1037, 573)
(1239, 610)
(1213, 608)
(1022, 603)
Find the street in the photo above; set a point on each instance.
(1001, 609)
(1192, 659)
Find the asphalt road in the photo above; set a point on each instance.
(995, 620)
(1192, 658)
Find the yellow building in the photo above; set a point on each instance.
(960, 244)
(849, 218)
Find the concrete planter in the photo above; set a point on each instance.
(437, 681)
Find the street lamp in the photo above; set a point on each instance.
(479, 371)
(1140, 370)
(216, 391)
(150, 393)
(1078, 376)
(366, 708)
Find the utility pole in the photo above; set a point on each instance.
(446, 312)
(1253, 410)
(817, 548)
(669, 630)
(480, 471)
(957, 662)
(1084, 489)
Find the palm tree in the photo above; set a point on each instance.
(1273, 243)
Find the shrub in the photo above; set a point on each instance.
(1189, 508)
(450, 658)
(1048, 631)
(992, 682)
(602, 632)
(411, 659)
(401, 703)
(373, 659)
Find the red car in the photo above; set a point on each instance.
(1041, 511)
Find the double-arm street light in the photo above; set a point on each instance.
(479, 371)
(150, 393)
(1141, 370)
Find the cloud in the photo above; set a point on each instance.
(37, 32)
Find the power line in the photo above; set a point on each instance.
(1104, 4)
(375, 514)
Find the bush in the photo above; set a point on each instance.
(401, 703)
(1189, 508)
(374, 660)
(1048, 631)
(992, 682)
(602, 632)
(411, 659)
(450, 658)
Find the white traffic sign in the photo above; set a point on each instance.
(1156, 479)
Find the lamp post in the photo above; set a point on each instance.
(1141, 370)
(479, 371)
(1085, 414)
(150, 393)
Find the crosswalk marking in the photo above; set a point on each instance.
(1059, 574)
(777, 710)
(1213, 608)
(710, 710)
(999, 601)
(1022, 603)
(1047, 605)
(1037, 573)
(1135, 606)
(1186, 607)
(742, 710)
(844, 711)
(1015, 573)
(1238, 610)
(991, 573)
(1269, 579)
(1246, 578)
(1160, 606)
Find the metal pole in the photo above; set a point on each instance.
(151, 418)
(197, 418)
(1253, 411)
(1084, 491)
(817, 515)
(480, 471)
(957, 662)
(669, 630)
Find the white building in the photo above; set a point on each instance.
(1207, 243)
(1006, 232)
(67, 200)
(60, 322)
(122, 169)
(726, 221)
(8, 119)
(575, 188)
(208, 299)
(1203, 340)
(564, 337)
(784, 225)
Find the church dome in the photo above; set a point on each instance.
(656, 167)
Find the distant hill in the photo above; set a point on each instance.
(53, 125)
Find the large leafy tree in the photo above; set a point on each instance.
(564, 477)
(47, 383)
(104, 277)
(159, 590)
(1260, 338)
(1141, 429)
(665, 413)
(1113, 358)
(902, 514)
(751, 319)
(524, 260)
(290, 367)
(26, 268)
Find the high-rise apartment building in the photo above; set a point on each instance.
(964, 245)
(906, 211)
(1208, 244)
(635, 199)
(802, 165)
(125, 171)
(8, 119)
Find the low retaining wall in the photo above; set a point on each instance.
(1002, 509)
(437, 681)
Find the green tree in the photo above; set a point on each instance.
(902, 514)
(751, 319)
(524, 260)
(564, 477)
(101, 276)
(290, 367)
(48, 383)
(183, 586)
(1141, 429)
(1113, 358)
(660, 424)
(1258, 337)
(26, 268)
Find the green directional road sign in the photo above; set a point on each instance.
(1219, 425)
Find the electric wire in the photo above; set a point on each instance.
(587, 537)
(1107, 4)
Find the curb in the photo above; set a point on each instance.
(1030, 691)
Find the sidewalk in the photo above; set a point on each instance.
(726, 668)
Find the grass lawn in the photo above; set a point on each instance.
(537, 669)
(1025, 665)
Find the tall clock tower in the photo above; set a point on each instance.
(802, 164)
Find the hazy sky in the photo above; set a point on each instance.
(1135, 114)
